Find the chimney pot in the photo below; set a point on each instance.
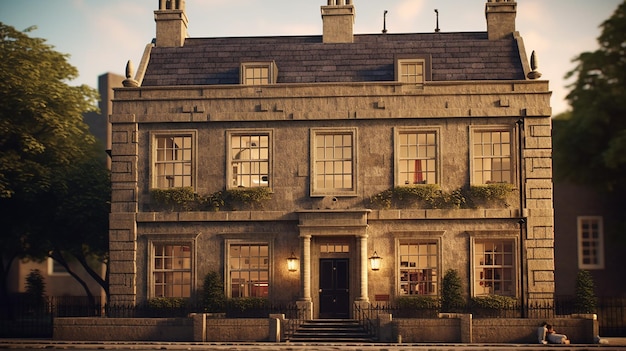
(500, 16)
(338, 21)
(171, 23)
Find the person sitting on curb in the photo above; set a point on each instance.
(541, 333)
(555, 338)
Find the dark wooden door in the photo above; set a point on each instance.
(334, 288)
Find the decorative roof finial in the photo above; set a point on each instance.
(129, 82)
(534, 64)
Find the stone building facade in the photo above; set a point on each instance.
(372, 145)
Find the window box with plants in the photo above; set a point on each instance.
(184, 199)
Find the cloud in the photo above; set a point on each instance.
(406, 15)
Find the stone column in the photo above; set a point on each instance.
(306, 268)
(305, 305)
(363, 294)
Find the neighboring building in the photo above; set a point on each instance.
(58, 281)
(325, 123)
(587, 236)
(98, 122)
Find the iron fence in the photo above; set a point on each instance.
(24, 317)
(611, 311)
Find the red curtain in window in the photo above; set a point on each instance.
(418, 178)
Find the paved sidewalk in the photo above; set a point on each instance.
(614, 344)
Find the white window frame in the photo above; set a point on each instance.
(422, 60)
(319, 191)
(511, 157)
(228, 269)
(154, 157)
(180, 239)
(230, 161)
(398, 159)
(475, 261)
(595, 244)
(272, 73)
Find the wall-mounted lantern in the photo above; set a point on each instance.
(375, 261)
(292, 262)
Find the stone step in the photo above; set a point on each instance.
(331, 330)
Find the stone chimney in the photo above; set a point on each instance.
(500, 18)
(171, 23)
(338, 21)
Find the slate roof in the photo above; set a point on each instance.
(305, 59)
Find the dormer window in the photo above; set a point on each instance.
(258, 73)
(411, 71)
(414, 70)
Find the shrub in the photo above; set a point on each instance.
(35, 285)
(493, 192)
(496, 302)
(585, 299)
(417, 302)
(407, 196)
(452, 292)
(250, 197)
(213, 298)
(184, 199)
(426, 195)
(417, 306)
(250, 307)
(162, 303)
(382, 200)
(173, 198)
(211, 202)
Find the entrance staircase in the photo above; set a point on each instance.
(331, 330)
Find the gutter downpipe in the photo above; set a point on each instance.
(522, 219)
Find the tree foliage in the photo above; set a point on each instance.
(41, 124)
(590, 141)
(54, 187)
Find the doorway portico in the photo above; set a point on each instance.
(334, 261)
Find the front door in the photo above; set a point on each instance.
(334, 288)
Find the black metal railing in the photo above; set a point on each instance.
(27, 317)
(21, 316)
(611, 312)
(295, 316)
(368, 318)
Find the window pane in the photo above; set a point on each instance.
(172, 270)
(590, 243)
(417, 158)
(333, 161)
(411, 71)
(250, 159)
(250, 278)
(173, 161)
(494, 267)
(418, 268)
(256, 75)
(492, 157)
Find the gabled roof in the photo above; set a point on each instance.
(305, 59)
